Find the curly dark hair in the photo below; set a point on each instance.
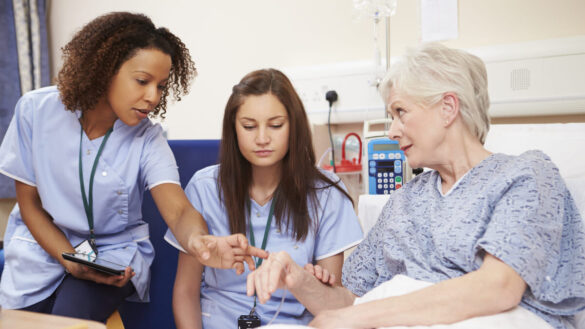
(96, 52)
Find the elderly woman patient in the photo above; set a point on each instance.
(490, 231)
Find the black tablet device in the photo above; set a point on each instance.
(98, 264)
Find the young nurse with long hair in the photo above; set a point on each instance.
(267, 181)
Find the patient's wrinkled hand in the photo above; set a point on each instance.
(276, 272)
(322, 274)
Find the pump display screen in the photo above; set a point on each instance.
(386, 163)
(386, 147)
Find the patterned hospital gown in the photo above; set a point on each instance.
(516, 208)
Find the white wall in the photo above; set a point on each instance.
(229, 38)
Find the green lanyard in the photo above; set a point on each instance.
(266, 230)
(88, 202)
(253, 242)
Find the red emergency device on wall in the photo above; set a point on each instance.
(346, 165)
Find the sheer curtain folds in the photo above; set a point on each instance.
(24, 61)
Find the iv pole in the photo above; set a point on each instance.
(386, 125)
(387, 43)
(377, 8)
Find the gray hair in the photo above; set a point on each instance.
(427, 72)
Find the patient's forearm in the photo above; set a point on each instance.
(490, 290)
(316, 296)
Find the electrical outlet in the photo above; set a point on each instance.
(358, 96)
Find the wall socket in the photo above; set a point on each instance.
(354, 82)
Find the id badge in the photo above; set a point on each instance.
(87, 249)
(248, 321)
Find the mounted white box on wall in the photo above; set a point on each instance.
(545, 77)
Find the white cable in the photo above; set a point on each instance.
(323, 157)
(278, 309)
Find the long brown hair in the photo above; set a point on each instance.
(299, 180)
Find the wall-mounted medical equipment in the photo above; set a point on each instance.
(346, 165)
(386, 169)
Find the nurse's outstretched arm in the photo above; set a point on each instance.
(191, 232)
(186, 298)
(52, 239)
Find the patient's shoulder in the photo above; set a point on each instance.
(536, 159)
(533, 164)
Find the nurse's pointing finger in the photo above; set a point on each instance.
(239, 267)
(257, 252)
(239, 240)
(250, 263)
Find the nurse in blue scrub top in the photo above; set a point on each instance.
(82, 153)
(266, 186)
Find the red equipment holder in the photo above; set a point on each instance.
(346, 165)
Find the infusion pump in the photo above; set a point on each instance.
(385, 169)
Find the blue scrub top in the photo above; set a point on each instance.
(223, 293)
(41, 149)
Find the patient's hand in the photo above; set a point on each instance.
(322, 274)
(277, 272)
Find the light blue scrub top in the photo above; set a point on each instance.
(517, 208)
(223, 293)
(41, 149)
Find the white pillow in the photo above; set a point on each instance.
(576, 186)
